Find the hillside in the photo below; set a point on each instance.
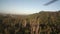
(38, 23)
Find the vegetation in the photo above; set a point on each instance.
(38, 23)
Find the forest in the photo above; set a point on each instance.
(38, 23)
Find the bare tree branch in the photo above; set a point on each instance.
(50, 2)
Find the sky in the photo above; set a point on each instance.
(27, 6)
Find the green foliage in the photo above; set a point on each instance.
(39, 23)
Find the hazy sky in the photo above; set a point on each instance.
(27, 6)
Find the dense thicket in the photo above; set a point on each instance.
(39, 23)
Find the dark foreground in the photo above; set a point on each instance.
(39, 23)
